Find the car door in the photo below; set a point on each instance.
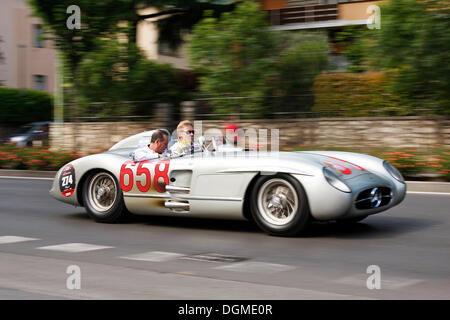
(149, 186)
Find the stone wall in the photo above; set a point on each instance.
(396, 132)
(87, 137)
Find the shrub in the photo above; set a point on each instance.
(38, 158)
(356, 94)
(22, 106)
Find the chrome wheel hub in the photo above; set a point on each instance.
(277, 201)
(102, 191)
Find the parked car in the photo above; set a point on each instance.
(281, 192)
(35, 133)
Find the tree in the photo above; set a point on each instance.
(413, 47)
(414, 42)
(303, 55)
(234, 55)
(101, 19)
(123, 81)
(239, 56)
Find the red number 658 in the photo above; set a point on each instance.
(144, 185)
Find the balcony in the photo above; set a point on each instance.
(304, 14)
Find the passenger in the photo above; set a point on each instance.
(231, 130)
(156, 149)
(185, 143)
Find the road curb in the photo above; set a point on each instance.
(27, 173)
(412, 186)
(425, 186)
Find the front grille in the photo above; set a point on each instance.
(373, 198)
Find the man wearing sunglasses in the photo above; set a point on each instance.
(185, 143)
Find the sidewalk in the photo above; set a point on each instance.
(412, 186)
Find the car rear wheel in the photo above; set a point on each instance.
(103, 198)
(279, 205)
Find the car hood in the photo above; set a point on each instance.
(343, 168)
(307, 163)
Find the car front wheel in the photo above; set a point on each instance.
(103, 198)
(279, 205)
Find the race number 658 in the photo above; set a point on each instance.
(144, 185)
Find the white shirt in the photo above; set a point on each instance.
(144, 153)
(183, 147)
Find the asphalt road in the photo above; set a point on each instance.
(181, 258)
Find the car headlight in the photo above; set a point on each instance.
(393, 171)
(334, 180)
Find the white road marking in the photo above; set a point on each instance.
(74, 247)
(27, 178)
(154, 256)
(390, 283)
(256, 267)
(213, 257)
(432, 193)
(14, 239)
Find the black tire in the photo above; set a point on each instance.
(350, 221)
(103, 209)
(290, 215)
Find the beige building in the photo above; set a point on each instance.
(316, 14)
(29, 62)
(283, 15)
(147, 41)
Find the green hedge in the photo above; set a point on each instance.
(22, 106)
(357, 94)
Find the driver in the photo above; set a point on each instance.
(156, 149)
(185, 143)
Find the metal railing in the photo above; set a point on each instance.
(205, 108)
(303, 14)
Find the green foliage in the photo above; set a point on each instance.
(118, 72)
(356, 94)
(302, 57)
(413, 44)
(238, 56)
(22, 106)
(36, 158)
(235, 57)
(355, 45)
(105, 19)
(100, 19)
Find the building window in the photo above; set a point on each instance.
(39, 82)
(164, 49)
(38, 40)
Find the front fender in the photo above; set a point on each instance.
(82, 167)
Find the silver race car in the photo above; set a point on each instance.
(280, 191)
